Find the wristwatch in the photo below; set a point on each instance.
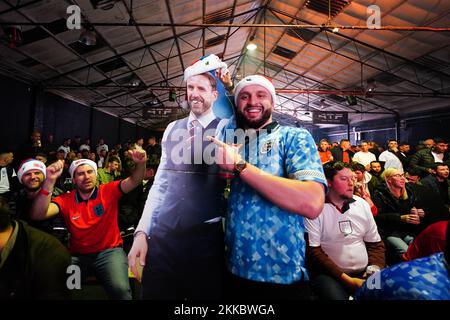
(239, 166)
(372, 269)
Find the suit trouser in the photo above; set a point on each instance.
(185, 264)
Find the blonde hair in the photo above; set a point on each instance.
(389, 172)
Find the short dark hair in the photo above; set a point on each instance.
(356, 166)
(42, 154)
(374, 161)
(114, 158)
(439, 140)
(333, 167)
(413, 172)
(435, 165)
(211, 78)
(5, 215)
(4, 150)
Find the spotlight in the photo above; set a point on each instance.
(238, 75)
(251, 46)
(322, 104)
(135, 83)
(88, 37)
(172, 95)
(335, 29)
(371, 85)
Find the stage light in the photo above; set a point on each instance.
(251, 46)
(88, 37)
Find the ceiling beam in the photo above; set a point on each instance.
(240, 25)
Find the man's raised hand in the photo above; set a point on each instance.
(138, 156)
(55, 170)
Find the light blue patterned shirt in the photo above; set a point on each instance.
(421, 279)
(264, 242)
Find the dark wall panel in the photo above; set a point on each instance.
(380, 136)
(142, 133)
(413, 129)
(105, 126)
(418, 129)
(22, 109)
(15, 99)
(127, 131)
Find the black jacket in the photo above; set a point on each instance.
(423, 160)
(431, 183)
(35, 268)
(337, 153)
(390, 209)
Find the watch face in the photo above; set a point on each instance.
(239, 166)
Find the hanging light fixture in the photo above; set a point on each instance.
(88, 37)
(251, 46)
(371, 85)
(238, 75)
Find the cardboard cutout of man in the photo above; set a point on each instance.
(179, 239)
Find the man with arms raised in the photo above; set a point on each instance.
(90, 214)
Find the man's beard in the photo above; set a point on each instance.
(243, 123)
(345, 197)
(205, 107)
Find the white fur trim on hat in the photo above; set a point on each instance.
(31, 164)
(81, 162)
(255, 79)
(208, 63)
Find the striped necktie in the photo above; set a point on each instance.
(193, 126)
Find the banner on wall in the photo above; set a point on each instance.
(326, 117)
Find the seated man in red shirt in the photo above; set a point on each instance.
(90, 214)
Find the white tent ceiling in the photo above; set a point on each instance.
(314, 69)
